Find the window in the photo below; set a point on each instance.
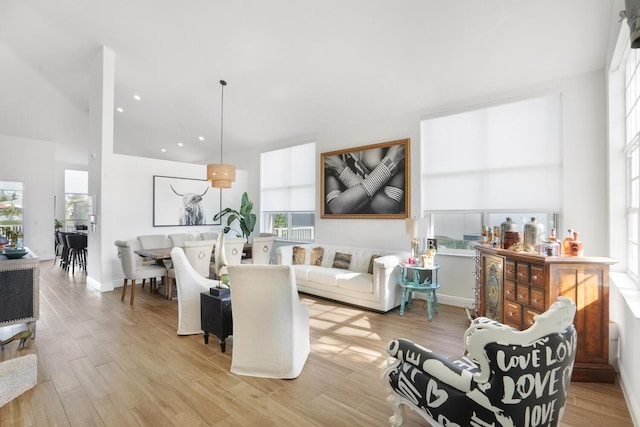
(457, 230)
(77, 201)
(288, 192)
(11, 222)
(632, 149)
(480, 166)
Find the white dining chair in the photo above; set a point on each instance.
(270, 324)
(134, 270)
(178, 239)
(261, 248)
(189, 284)
(152, 241)
(198, 252)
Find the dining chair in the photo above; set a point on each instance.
(270, 324)
(64, 257)
(133, 269)
(198, 253)
(233, 249)
(189, 284)
(260, 250)
(58, 247)
(178, 239)
(152, 241)
(209, 235)
(77, 251)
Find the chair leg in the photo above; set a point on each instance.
(133, 291)
(124, 290)
(168, 289)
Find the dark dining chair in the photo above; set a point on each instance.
(77, 251)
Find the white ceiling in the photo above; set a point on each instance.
(294, 68)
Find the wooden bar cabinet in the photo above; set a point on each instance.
(513, 287)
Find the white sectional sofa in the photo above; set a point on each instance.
(377, 290)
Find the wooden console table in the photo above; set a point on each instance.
(513, 287)
(20, 291)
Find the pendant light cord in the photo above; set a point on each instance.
(223, 84)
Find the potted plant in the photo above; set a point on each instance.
(245, 217)
(58, 224)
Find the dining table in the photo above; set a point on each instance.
(162, 256)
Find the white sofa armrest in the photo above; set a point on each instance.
(284, 255)
(389, 261)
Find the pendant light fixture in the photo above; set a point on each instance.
(221, 175)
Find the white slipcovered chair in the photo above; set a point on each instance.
(270, 324)
(153, 241)
(178, 239)
(209, 235)
(198, 253)
(134, 269)
(189, 284)
(260, 250)
(233, 250)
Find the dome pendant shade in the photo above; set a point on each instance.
(221, 175)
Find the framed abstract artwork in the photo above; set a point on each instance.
(184, 202)
(371, 181)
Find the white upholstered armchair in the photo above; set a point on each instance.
(270, 324)
(189, 284)
(506, 377)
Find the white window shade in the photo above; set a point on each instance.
(287, 179)
(76, 182)
(502, 157)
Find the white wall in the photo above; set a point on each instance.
(31, 162)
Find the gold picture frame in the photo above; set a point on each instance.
(371, 181)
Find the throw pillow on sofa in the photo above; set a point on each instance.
(370, 270)
(342, 260)
(299, 255)
(316, 256)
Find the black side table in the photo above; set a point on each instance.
(215, 315)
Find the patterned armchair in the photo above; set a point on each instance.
(506, 377)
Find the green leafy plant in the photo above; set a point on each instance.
(245, 218)
(58, 224)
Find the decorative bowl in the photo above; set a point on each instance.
(14, 253)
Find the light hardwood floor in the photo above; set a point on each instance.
(102, 362)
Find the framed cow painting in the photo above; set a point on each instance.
(184, 202)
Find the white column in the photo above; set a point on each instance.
(101, 250)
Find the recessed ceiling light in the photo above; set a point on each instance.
(163, 150)
(201, 138)
(120, 110)
(137, 97)
(180, 144)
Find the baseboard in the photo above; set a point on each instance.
(448, 300)
(629, 396)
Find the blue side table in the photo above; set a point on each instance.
(412, 283)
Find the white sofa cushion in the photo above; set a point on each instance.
(325, 276)
(360, 282)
